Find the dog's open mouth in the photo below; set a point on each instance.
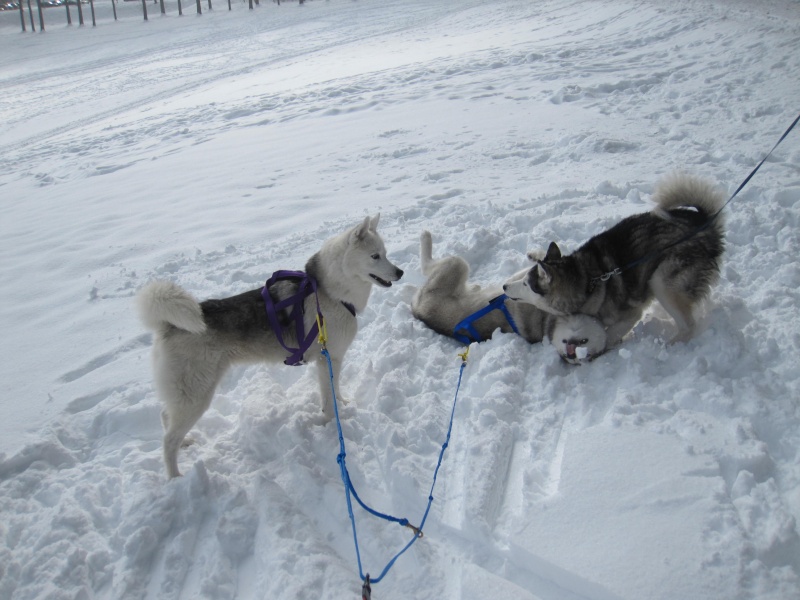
(380, 281)
(576, 354)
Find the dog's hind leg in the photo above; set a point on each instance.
(186, 395)
(449, 273)
(177, 423)
(425, 252)
(673, 294)
(678, 306)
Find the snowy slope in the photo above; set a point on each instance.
(214, 150)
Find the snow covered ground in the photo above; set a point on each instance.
(214, 150)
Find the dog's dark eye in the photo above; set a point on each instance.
(583, 342)
(376, 256)
(532, 282)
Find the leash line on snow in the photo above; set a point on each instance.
(606, 276)
(366, 590)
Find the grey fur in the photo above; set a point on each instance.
(679, 276)
(195, 343)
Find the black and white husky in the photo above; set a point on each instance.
(196, 342)
(447, 298)
(672, 253)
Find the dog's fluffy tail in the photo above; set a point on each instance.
(425, 252)
(680, 190)
(162, 302)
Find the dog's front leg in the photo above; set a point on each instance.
(325, 384)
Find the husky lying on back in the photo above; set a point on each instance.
(672, 254)
(195, 343)
(446, 299)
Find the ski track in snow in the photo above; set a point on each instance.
(553, 120)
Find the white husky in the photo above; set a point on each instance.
(196, 342)
(447, 298)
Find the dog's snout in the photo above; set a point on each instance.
(399, 273)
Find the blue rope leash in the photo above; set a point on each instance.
(349, 489)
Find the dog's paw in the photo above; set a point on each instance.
(188, 441)
(681, 337)
(535, 255)
(327, 410)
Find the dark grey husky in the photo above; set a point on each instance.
(672, 253)
(196, 342)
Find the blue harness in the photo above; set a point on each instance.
(465, 333)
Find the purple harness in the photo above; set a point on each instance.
(306, 287)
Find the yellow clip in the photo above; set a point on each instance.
(464, 354)
(323, 331)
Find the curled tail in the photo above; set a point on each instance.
(162, 302)
(682, 190)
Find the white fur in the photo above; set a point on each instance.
(165, 302)
(578, 338)
(193, 349)
(517, 288)
(447, 298)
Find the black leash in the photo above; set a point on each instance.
(606, 276)
(758, 166)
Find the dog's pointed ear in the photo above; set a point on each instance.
(553, 252)
(361, 231)
(542, 276)
(373, 223)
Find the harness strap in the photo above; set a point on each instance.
(466, 325)
(306, 287)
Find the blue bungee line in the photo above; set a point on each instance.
(348, 485)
